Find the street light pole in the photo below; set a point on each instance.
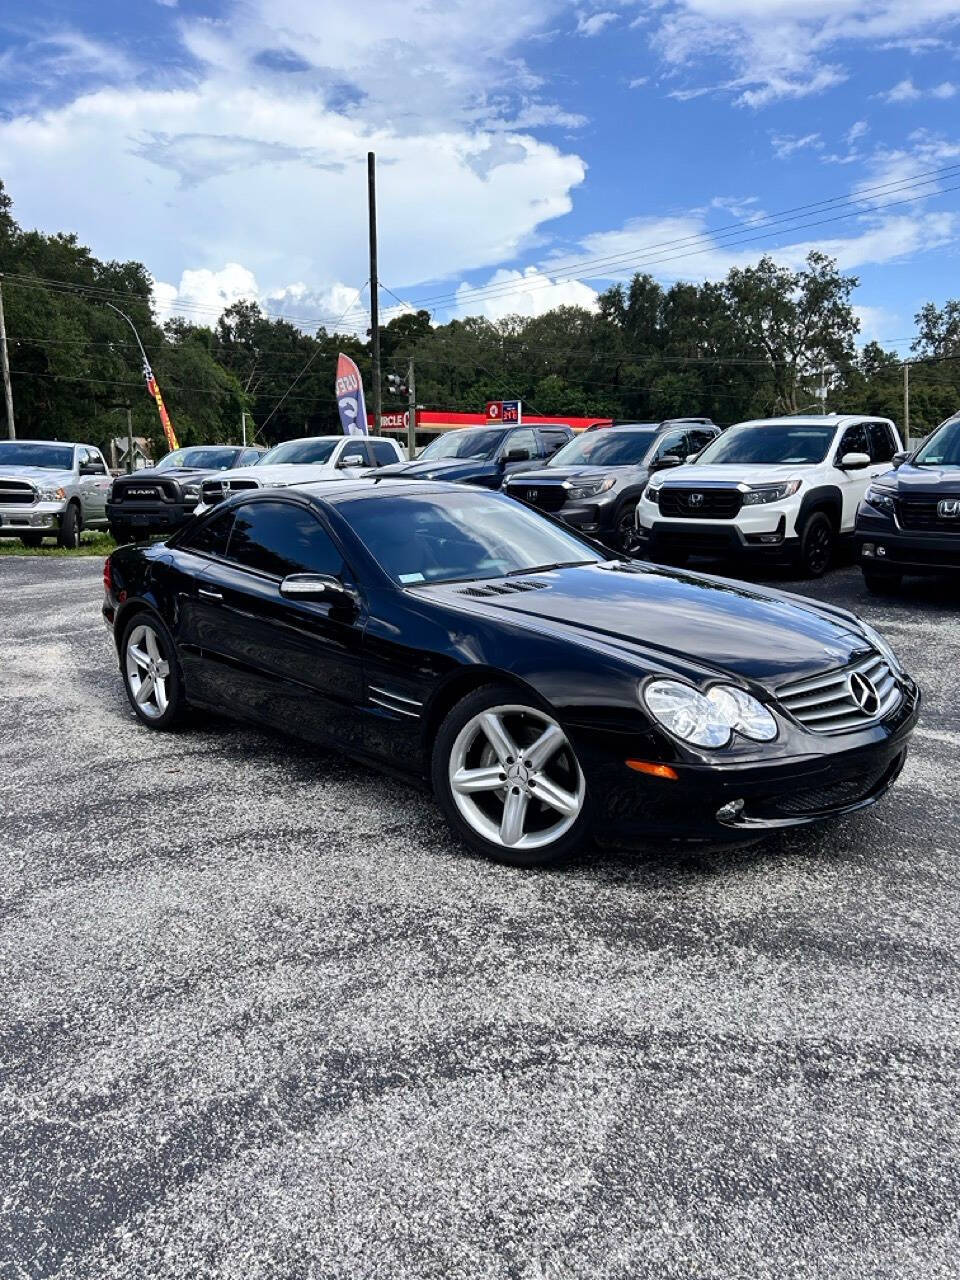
(374, 291)
(411, 412)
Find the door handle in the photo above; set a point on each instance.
(209, 595)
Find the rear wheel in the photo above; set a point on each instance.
(882, 584)
(69, 534)
(817, 543)
(151, 673)
(31, 539)
(508, 780)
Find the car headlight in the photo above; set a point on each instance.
(882, 646)
(770, 493)
(590, 488)
(711, 719)
(53, 494)
(652, 495)
(191, 491)
(881, 499)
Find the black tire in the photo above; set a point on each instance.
(32, 540)
(564, 767)
(68, 535)
(817, 544)
(625, 530)
(882, 584)
(176, 702)
(673, 559)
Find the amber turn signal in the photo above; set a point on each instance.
(654, 770)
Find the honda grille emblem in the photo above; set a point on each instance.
(533, 494)
(950, 507)
(864, 694)
(696, 499)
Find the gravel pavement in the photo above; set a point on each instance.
(262, 1017)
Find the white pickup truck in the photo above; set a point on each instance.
(49, 489)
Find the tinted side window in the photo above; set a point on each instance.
(552, 441)
(699, 439)
(211, 536)
(882, 447)
(280, 538)
(383, 452)
(523, 441)
(673, 445)
(854, 441)
(354, 449)
(249, 457)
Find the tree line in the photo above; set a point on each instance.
(765, 340)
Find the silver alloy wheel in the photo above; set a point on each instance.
(147, 671)
(515, 778)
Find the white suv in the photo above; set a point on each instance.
(300, 461)
(775, 487)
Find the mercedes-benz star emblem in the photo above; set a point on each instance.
(696, 499)
(864, 694)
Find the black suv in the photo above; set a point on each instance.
(594, 483)
(160, 499)
(909, 519)
(482, 455)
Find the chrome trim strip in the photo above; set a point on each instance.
(397, 711)
(414, 702)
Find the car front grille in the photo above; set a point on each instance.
(700, 504)
(829, 703)
(830, 795)
(17, 492)
(145, 491)
(924, 513)
(546, 497)
(214, 491)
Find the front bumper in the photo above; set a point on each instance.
(734, 801)
(150, 517)
(39, 517)
(766, 540)
(883, 545)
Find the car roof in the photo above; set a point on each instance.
(814, 420)
(335, 491)
(62, 444)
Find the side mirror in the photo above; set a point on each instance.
(899, 458)
(691, 457)
(669, 460)
(352, 460)
(92, 469)
(315, 586)
(516, 455)
(854, 461)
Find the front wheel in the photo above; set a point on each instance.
(816, 545)
(69, 534)
(32, 540)
(508, 780)
(625, 537)
(151, 673)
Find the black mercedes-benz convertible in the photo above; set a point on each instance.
(546, 692)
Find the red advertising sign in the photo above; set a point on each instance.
(494, 410)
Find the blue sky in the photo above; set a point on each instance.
(521, 147)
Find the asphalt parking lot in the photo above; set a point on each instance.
(262, 1017)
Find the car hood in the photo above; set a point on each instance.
(557, 475)
(191, 474)
(284, 473)
(922, 480)
(37, 475)
(690, 622)
(733, 475)
(441, 469)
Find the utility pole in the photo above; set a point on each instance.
(374, 289)
(411, 413)
(906, 405)
(243, 426)
(5, 365)
(129, 440)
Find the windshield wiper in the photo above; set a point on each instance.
(545, 568)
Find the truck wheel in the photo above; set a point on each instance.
(816, 545)
(625, 539)
(121, 533)
(69, 534)
(31, 539)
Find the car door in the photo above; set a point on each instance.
(193, 622)
(853, 484)
(94, 481)
(293, 663)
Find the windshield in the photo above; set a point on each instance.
(202, 458)
(300, 451)
(457, 537)
(770, 445)
(51, 457)
(943, 447)
(475, 442)
(605, 449)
